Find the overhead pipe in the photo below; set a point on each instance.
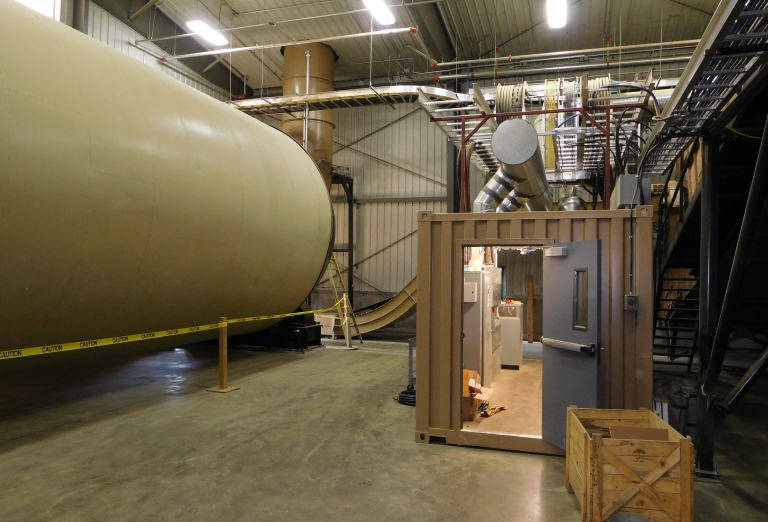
(557, 69)
(521, 178)
(273, 22)
(314, 4)
(252, 26)
(143, 9)
(565, 54)
(382, 32)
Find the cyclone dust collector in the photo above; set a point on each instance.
(308, 69)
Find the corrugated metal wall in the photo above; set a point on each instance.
(109, 30)
(399, 161)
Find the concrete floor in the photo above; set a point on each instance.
(307, 437)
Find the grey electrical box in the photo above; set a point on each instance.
(625, 189)
(630, 303)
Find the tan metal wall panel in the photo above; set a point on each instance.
(626, 337)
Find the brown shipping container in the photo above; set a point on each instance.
(627, 364)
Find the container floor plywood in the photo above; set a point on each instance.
(519, 391)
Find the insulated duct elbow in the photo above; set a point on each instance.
(521, 179)
(493, 193)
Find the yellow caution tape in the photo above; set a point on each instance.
(120, 339)
(280, 316)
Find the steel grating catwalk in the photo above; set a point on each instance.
(464, 104)
(343, 99)
(729, 53)
(442, 100)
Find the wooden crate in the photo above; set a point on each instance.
(650, 478)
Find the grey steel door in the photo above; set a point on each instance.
(570, 333)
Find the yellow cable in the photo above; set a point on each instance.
(744, 134)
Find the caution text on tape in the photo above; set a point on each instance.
(120, 339)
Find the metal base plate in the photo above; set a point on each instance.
(220, 390)
(701, 475)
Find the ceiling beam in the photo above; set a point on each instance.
(691, 7)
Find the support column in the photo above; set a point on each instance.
(349, 191)
(708, 306)
(348, 184)
(758, 191)
(452, 178)
(80, 15)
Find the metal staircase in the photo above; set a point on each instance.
(675, 339)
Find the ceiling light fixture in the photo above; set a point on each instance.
(557, 13)
(380, 11)
(204, 31)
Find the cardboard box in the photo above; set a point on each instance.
(473, 395)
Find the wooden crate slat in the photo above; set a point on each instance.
(640, 500)
(586, 413)
(640, 448)
(609, 469)
(665, 484)
(629, 423)
(650, 514)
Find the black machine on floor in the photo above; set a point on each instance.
(300, 332)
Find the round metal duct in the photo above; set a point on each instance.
(130, 202)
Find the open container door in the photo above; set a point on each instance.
(571, 334)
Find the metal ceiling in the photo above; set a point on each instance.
(471, 29)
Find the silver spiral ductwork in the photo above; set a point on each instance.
(521, 179)
(571, 202)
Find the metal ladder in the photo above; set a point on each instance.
(351, 314)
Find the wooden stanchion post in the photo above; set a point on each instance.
(347, 333)
(223, 370)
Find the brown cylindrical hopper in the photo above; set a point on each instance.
(320, 125)
(131, 203)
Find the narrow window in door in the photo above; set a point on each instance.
(580, 299)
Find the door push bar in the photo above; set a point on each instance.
(565, 345)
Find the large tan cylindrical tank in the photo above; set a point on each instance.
(320, 125)
(130, 202)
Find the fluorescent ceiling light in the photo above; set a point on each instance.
(202, 29)
(46, 7)
(380, 11)
(557, 13)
